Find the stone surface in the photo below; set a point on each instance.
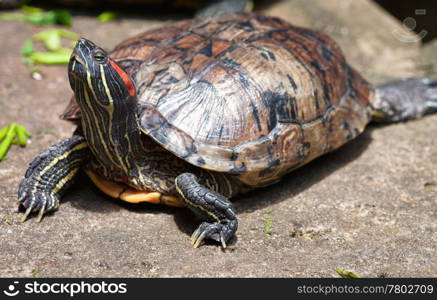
(369, 207)
(428, 59)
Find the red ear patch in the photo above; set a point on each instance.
(126, 79)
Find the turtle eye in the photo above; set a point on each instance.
(99, 56)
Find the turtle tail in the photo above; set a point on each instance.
(217, 7)
(405, 99)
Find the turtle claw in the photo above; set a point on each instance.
(41, 214)
(26, 214)
(222, 240)
(216, 231)
(41, 204)
(195, 236)
(199, 240)
(35, 200)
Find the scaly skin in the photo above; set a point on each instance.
(50, 174)
(220, 218)
(405, 99)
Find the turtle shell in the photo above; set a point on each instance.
(244, 94)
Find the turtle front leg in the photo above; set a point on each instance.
(220, 221)
(50, 174)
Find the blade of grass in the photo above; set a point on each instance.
(3, 132)
(27, 133)
(346, 274)
(22, 135)
(6, 143)
(15, 141)
(268, 225)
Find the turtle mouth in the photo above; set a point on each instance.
(76, 67)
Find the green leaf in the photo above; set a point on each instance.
(37, 16)
(26, 133)
(47, 18)
(53, 41)
(50, 39)
(42, 35)
(12, 134)
(7, 141)
(63, 17)
(22, 135)
(68, 34)
(27, 48)
(26, 9)
(107, 16)
(3, 132)
(59, 57)
(346, 274)
(15, 141)
(50, 34)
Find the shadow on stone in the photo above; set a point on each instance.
(84, 195)
(291, 185)
(304, 177)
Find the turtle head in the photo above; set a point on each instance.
(92, 73)
(108, 104)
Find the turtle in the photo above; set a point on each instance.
(198, 111)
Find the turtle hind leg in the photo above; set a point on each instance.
(405, 99)
(220, 221)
